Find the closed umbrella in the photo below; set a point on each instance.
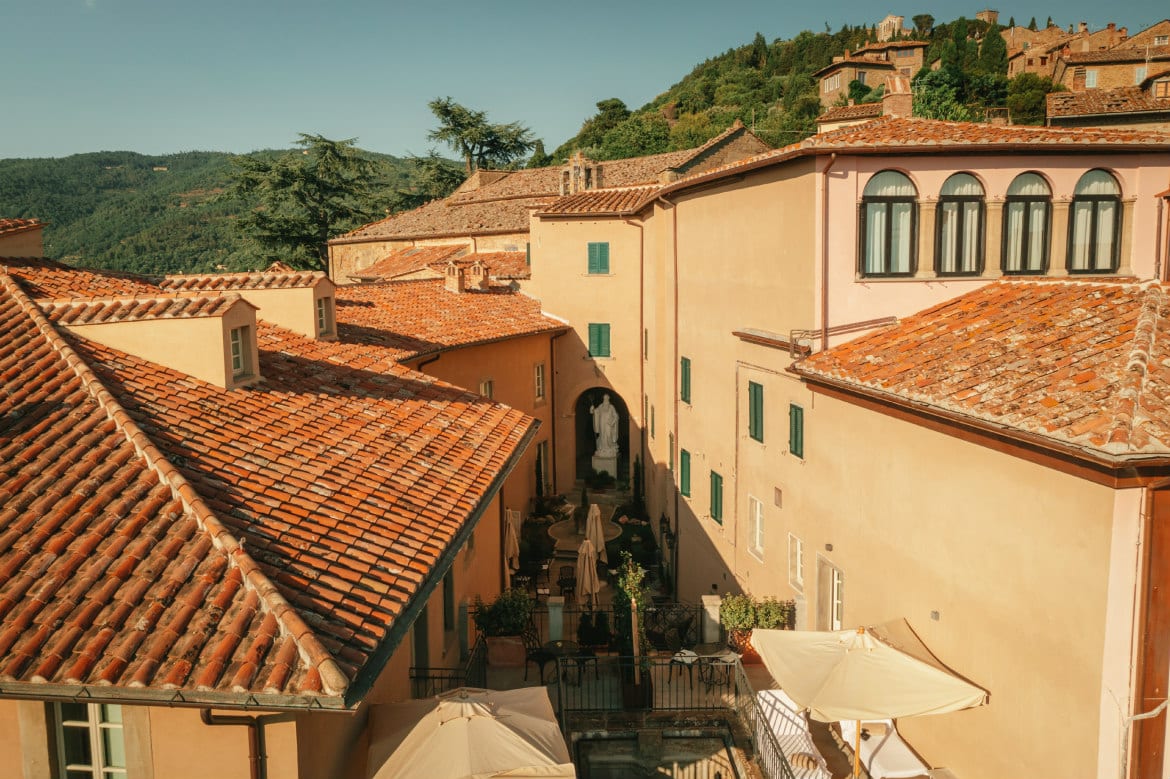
(511, 547)
(468, 733)
(588, 584)
(594, 532)
(882, 672)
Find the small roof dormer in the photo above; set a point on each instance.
(302, 301)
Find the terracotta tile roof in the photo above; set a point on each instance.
(501, 265)
(412, 259)
(161, 537)
(103, 310)
(893, 45)
(1102, 56)
(601, 201)
(1122, 100)
(869, 62)
(226, 281)
(1082, 365)
(8, 226)
(417, 318)
(845, 113)
(44, 278)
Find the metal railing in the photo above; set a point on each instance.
(426, 682)
(768, 754)
(667, 626)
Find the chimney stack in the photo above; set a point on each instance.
(454, 281)
(898, 100)
(478, 276)
(1083, 27)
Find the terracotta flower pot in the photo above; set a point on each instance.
(505, 651)
(741, 642)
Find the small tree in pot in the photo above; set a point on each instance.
(737, 614)
(503, 622)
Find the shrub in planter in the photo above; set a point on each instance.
(737, 613)
(774, 614)
(502, 623)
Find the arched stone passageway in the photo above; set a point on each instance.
(587, 439)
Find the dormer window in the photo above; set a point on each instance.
(324, 316)
(241, 345)
(1162, 88)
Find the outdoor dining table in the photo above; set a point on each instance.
(566, 648)
(715, 670)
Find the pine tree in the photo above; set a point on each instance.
(539, 158)
(1032, 24)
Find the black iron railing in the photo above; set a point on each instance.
(426, 682)
(668, 626)
(768, 754)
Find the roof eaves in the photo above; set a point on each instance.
(311, 649)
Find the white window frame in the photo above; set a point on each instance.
(756, 527)
(795, 563)
(1139, 74)
(95, 728)
(241, 351)
(1161, 40)
(1090, 78)
(324, 316)
(538, 381)
(487, 388)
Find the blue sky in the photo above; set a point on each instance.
(158, 76)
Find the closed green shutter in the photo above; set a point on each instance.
(528, 254)
(684, 472)
(685, 380)
(598, 340)
(756, 410)
(796, 430)
(599, 257)
(716, 497)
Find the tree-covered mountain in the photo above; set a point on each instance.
(156, 214)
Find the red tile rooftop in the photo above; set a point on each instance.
(1122, 100)
(165, 539)
(601, 201)
(18, 225)
(1082, 365)
(49, 279)
(417, 318)
(103, 310)
(844, 113)
(226, 281)
(1141, 54)
(431, 260)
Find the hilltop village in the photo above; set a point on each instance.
(906, 369)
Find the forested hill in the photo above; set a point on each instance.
(128, 211)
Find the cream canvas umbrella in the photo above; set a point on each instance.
(882, 672)
(588, 584)
(594, 532)
(468, 733)
(511, 548)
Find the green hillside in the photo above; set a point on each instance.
(157, 214)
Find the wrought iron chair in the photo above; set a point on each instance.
(534, 652)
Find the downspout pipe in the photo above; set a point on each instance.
(642, 339)
(257, 759)
(674, 391)
(1159, 271)
(825, 251)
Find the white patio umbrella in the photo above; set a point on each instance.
(588, 584)
(594, 532)
(882, 672)
(468, 733)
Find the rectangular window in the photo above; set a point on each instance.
(756, 411)
(324, 318)
(652, 421)
(599, 257)
(538, 381)
(830, 596)
(598, 339)
(1090, 79)
(684, 472)
(716, 497)
(756, 527)
(795, 563)
(1161, 40)
(487, 388)
(670, 443)
(241, 351)
(684, 379)
(796, 430)
(1162, 88)
(90, 740)
(528, 254)
(646, 343)
(1139, 74)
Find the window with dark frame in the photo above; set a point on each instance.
(684, 472)
(756, 411)
(1094, 225)
(716, 497)
(90, 740)
(684, 379)
(888, 225)
(959, 227)
(1027, 218)
(796, 430)
(449, 600)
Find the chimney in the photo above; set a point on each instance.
(1124, 33)
(478, 276)
(1111, 26)
(454, 281)
(898, 101)
(1083, 27)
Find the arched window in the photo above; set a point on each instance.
(1095, 224)
(1026, 216)
(959, 221)
(888, 219)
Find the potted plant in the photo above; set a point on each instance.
(502, 623)
(737, 614)
(775, 614)
(630, 598)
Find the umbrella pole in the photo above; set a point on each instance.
(857, 752)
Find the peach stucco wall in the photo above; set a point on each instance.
(294, 309)
(560, 280)
(1014, 557)
(26, 243)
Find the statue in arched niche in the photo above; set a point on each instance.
(605, 426)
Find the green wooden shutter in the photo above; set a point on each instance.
(598, 339)
(716, 497)
(684, 472)
(756, 410)
(796, 430)
(528, 254)
(685, 380)
(604, 341)
(599, 257)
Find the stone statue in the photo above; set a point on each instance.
(605, 425)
